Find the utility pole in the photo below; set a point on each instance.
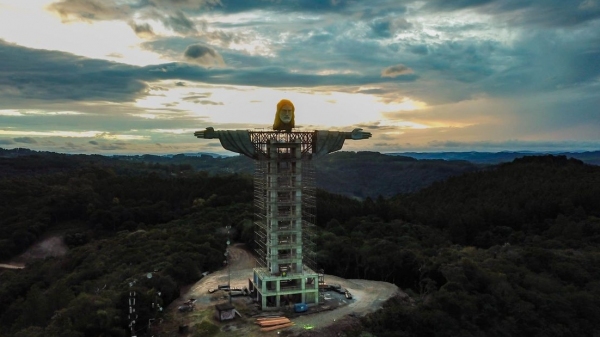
(228, 263)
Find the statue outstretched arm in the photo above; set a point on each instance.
(331, 141)
(357, 134)
(208, 133)
(233, 140)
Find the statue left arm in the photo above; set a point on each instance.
(331, 141)
(357, 134)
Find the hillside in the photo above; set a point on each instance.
(358, 175)
(507, 251)
(371, 174)
(493, 206)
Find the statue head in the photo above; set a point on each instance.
(284, 118)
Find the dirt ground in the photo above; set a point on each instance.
(368, 296)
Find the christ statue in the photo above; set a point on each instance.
(323, 142)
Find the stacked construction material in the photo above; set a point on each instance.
(273, 323)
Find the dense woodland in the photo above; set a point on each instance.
(500, 251)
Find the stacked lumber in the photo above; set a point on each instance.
(273, 323)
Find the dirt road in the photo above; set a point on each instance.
(49, 246)
(368, 296)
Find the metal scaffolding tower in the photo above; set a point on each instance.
(285, 204)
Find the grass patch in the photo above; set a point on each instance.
(205, 329)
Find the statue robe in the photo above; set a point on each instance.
(239, 141)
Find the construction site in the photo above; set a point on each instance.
(334, 312)
(278, 288)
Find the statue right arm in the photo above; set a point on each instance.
(208, 133)
(233, 140)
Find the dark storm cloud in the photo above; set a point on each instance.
(40, 74)
(381, 27)
(197, 51)
(197, 96)
(420, 49)
(546, 61)
(180, 23)
(236, 6)
(93, 142)
(464, 61)
(30, 74)
(545, 12)
(203, 55)
(263, 76)
(182, 4)
(143, 30)
(395, 71)
(25, 140)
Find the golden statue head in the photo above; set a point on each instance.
(284, 117)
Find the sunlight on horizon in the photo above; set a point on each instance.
(73, 134)
(255, 105)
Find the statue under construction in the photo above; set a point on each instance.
(285, 203)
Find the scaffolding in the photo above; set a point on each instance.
(285, 209)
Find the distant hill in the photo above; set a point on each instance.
(354, 174)
(592, 157)
(490, 207)
(370, 174)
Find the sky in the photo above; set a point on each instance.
(140, 76)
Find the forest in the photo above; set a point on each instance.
(503, 250)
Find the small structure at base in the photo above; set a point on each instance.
(225, 311)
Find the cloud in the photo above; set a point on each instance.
(41, 74)
(381, 27)
(167, 11)
(197, 96)
(58, 76)
(90, 10)
(25, 140)
(203, 55)
(319, 6)
(395, 71)
(4, 141)
(180, 23)
(93, 142)
(143, 30)
(552, 13)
